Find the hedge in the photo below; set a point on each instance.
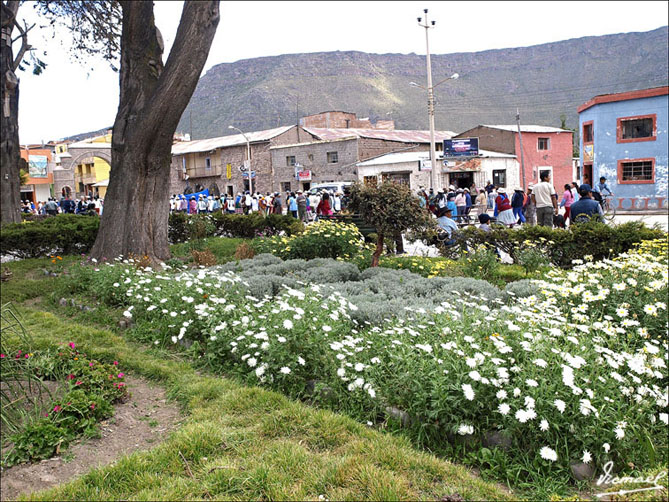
(562, 246)
(62, 234)
(72, 234)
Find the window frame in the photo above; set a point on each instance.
(207, 163)
(503, 171)
(619, 130)
(329, 155)
(290, 161)
(548, 144)
(621, 181)
(590, 123)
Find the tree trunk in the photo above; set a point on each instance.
(10, 191)
(152, 99)
(378, 250)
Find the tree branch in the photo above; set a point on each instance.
(24, 44)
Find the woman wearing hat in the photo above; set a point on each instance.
(503, 210)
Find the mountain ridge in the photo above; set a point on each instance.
(545, 81)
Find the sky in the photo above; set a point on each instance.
(71, 98)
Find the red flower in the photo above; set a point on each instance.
(2, 356)
(120, 375)
(78, 382)
(71, 344)
(57, 408)
(70, 377)
(115, 363)
(92, 406)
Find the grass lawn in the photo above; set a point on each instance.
(238, 442)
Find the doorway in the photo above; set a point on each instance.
(461, 179)
(587, 174)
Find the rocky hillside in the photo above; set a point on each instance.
(544, 81)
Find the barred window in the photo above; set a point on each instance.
(637, 170)
(333, 157)
(636, 128)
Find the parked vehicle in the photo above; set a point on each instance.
(335, 186)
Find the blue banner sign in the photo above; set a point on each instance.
(461, 147)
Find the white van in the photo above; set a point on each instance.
(335, 186)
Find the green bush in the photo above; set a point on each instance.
(62, 234)
(562, 246)
(184, 227)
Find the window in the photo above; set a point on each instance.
(587, 132)
(499, 177)
(544, 144)
(207, 164)
(640, 128)
(310, 156)
(285, 186)
(333, 157)
(636, 171)
(290, 160)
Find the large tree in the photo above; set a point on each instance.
(10, 150)
(153, 97)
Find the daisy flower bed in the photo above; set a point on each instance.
(560, 380)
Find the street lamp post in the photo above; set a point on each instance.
(430, 99)
(248, 156)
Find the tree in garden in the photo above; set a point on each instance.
(153, 96)
(391, 208)
(10, 156)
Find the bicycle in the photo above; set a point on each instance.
(608, 207)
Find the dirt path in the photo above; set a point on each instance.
(138, 424)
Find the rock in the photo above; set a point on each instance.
(45, 271)
(582, 471)
(311, 387)
(123, 324)
(53, 274)
(400, 415)
(86, 308)
(62, 302)
(497, 439)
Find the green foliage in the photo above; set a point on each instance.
(61, 234)
(562, 246)
(323, 239)
(184, 227)
(390, 207)
(480, 263)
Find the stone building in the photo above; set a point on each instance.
(334, 154)
(221, 164)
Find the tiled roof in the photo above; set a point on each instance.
(206, 145)
(526, 128)
(395, 135)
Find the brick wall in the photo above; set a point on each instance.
(495, 140)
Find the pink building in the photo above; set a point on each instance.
(544, 149)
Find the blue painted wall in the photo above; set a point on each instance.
(607, 152)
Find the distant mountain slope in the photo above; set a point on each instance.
(543, 81)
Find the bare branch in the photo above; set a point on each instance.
(25, 46)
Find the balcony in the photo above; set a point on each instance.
(86, 179)
(203, 172)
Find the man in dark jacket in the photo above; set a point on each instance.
(586, 207)
(517, 202)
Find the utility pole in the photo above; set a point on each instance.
(430, 102)
(522, 156)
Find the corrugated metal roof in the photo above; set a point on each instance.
(526, 128)
(399, 157)
(206, 145)
(395, 135)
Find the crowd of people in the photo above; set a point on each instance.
(537, 206)
(87, 205)
(306, 206)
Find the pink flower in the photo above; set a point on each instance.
(27, 356)
(2, 356)
(92, 406)
(57, 408)
(46, 414)
(115, 363)
(71, 344)
(90, 364)
(70, 377)
(120, 375)
(78, 382)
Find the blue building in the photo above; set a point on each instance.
(624, 138)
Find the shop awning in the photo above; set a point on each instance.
(102, 183)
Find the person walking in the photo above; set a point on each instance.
(277, 207)
(461, 205)
(301, 206)
(545, 199)
(503, 210)
(324, 208)
(517, 202)
(567, 201)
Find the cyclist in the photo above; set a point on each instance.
(598, 192)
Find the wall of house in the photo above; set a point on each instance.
(608, 150)
(417, 179)
(495, 140)
(558, 157)
(369, 148)
(313, 157)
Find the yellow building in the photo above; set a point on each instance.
(91, 172)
